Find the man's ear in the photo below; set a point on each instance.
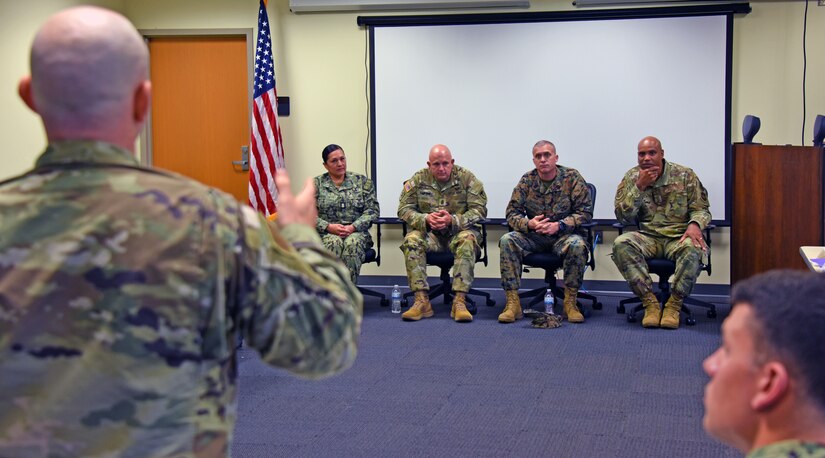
(772, 386)
(142, 101)
(24, 89)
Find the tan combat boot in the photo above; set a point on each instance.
(670, 314)
(570, 307)
(421, 308)
(652, 311)
(512, 309)
(459, 311)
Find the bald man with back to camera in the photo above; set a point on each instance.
(766, 393)
(123, 289)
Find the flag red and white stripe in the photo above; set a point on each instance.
(266, 144)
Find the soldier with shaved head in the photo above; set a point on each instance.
(670, 205)
(443, 204)
(124, 289)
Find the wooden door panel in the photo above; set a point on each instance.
(200, 114)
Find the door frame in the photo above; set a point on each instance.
(145, 137)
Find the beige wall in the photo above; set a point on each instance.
(320, 65)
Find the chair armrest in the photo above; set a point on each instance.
(591, 243)
(378, 223)
(484, 257)
(708, 267)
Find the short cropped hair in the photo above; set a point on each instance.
(544, 142)
(328, 150)
(789, 307)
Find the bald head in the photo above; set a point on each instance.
(89, 67)
(650, 142)
(440, 162)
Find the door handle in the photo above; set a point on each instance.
(244, 162)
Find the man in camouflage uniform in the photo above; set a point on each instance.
(124, 289)
(766, 393)
(546, 210)
(669, 204)
(347, 207)
(443, 205)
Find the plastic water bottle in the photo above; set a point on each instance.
(396, 300)
(549, 302)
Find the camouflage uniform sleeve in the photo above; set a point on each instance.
(370, 214)
(516, 212)
(476, 205)
(582, 211)
(408, 206)
(320, 224)
(699, 205)
(299, 308)
(628, 199)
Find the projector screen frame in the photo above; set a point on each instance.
(727, 10)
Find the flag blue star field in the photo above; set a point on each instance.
(267, 145)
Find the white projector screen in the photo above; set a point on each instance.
(592, 87)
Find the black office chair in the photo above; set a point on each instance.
(444, 261)
(374, 255)
(664, 269)
(552, 263)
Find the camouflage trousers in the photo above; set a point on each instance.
(465, 249)
(350, 250)
(513, 246)
(632, 248)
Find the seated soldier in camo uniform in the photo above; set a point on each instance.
(669, 204)
(547, 207)
(443, 205)
(347, 207)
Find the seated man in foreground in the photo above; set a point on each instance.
(766, 393)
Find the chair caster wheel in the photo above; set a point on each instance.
(490, 303)
(404, 302)
(597, 306)
(385, 302)
(711, 314)
(620, 309)
(690, 321)
(631, 318)
(472, 309)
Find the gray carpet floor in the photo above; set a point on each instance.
(436, 388)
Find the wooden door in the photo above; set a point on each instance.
(200, 108)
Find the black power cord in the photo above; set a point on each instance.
(804, 67)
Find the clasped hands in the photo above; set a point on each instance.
(441, 219)
(542, 225)
(341, 230)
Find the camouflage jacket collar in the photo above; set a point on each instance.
(89, 152)
(552, 185)
(349, 182)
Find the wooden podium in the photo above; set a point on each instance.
(778, 206)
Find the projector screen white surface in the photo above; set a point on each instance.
(592, 87)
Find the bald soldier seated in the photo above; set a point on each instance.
(670, 205)
(443, 205)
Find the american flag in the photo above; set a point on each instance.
(267, 146)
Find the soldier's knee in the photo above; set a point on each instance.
(507, 240)
(576, 245)
(334, 244)
(413, 241)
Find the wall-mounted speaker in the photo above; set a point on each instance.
(750, 126)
